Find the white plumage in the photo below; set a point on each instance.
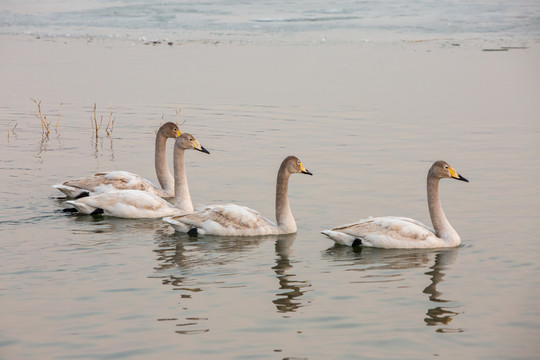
(133, 204)
(235, 220)
(143, 204)
(123, 180)
(107, 181)
(405, 233)
(227, 220)
(386, 232)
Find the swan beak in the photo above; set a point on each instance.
(303, 170)
(178, 133)
(456, 176)
(197, 146)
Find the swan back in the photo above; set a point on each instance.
(229, 220)
(123, 180)
(132, 204)
(386, 232)
(400, 232)
(235, 220)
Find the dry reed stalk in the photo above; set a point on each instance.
(94, 122)
(112, 125)
(109, 123)
(43, 119)
(12, 130)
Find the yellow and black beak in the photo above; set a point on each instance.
(197, 146)
(455, 175)
(303, 170)
(178, 133)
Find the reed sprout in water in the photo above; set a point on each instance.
(43, 118)
(94, 122)
(12, 131)
(110, 123)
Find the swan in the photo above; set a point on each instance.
(137, 204)
(400, 232)
(235, 220)
(123, 180)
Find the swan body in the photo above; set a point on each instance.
(132, 204)
(136, 204)
(405, 233)
(123, 180)
(108, 181)
(235, 220)
(227, 220)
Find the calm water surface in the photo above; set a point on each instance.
(270, 21)
(97, 287)
(368, 121)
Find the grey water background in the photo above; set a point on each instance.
(367, 118)
(270, 21)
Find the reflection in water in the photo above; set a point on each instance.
(43, 147)
(97, 144)
(440, 315)
(287, 300)
(180, 257)
(374, 261)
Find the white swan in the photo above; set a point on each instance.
(399, 232)
(123, 180)
(142, 204)
(235, 220)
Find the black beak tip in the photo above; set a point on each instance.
(204, 150)
(307, 172)
(462, 178)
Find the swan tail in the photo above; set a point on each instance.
(183, 227)
(177, 225)
(84, 208)
(72, 192)
(341, 238)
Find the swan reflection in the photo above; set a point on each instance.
(291, 289)
(375, 261)
(181, 253)
(192, 265)
(440, 315)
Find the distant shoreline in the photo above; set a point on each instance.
(338, 38)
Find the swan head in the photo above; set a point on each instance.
(187, 141)
(293, 165)
(441, 169)
(170, 130)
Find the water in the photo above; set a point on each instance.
(367, 119)
(271, 21)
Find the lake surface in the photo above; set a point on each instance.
(367, 119)
(271, 21)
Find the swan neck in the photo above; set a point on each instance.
(182, 199)
(442, 227)
(284, 217)
(163, 173)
